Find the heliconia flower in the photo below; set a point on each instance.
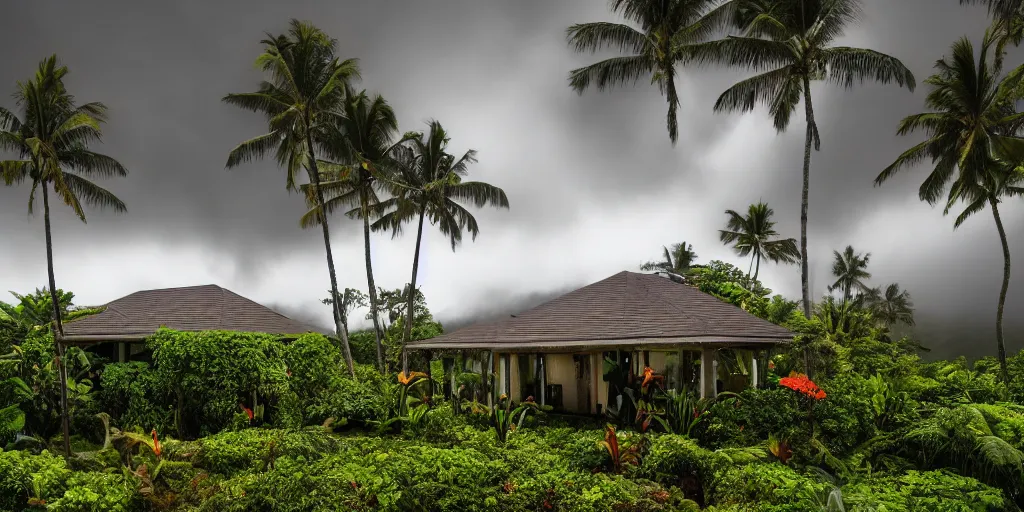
(248, 411)
(771, 365)
(156, 443)
(503, 397)
(406, 378)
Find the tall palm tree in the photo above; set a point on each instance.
(891, 307)
(52, 140)
(755, 235)
(428, 185)
(972, 127)
(850, 271)
(792, 43)
(306, 86)
(361, 141)
(1008, 25)
(677, 260)
(651, 49)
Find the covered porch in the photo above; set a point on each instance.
(579, 351)
(587, 381)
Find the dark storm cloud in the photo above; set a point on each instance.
(494, 72)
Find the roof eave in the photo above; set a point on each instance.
(583, 345)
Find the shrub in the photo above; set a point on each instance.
(929, 490)
(209, 373)
(133, 397)
(88, 492)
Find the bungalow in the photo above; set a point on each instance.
(119, 332)
(576, 351)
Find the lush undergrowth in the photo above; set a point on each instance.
(462, 468)
(226, 421)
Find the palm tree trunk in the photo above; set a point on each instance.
(757, 269)
(808, 107)
(371, 285)
(805, 288)
(412, 294)
(339, 328)
(1002, 292)
(58, 336)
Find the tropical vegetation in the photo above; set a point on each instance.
(846, 417)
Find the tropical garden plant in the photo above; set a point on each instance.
(973, 144)
(754, 235)
(676, 260)
(306, 88)
(651, 43)
(361, 142)
(428, 184)
(792, 43)
(52, 139)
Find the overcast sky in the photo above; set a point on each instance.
(595, 186)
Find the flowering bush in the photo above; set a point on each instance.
(800, 383)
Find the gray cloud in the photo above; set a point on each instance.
(594, 184)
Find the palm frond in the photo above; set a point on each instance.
(611, 72)
(845, 65)
(253, 149)
(93, 194)
(747, 52)
(479, 193)
(594, 37)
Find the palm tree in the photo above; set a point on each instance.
(428, 185)
(850, 270)
(891, 307)
(361, 140)
(652, 49)
(791, 43)
(972, 127)
(755, 235)
(307, 85)
(677, 260)
(1008, 25)
(52, 139)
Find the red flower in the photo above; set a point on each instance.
(248, 411)
(800, 383)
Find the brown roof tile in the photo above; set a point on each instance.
(625, 309)
(193, 308)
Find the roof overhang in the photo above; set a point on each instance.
(92, 339)
(556, 346)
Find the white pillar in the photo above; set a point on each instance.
(753, 372)
(502, 373)
(708, 372)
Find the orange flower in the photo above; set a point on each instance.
(248, 411)
(408, 378)
(156, 444)
(649, 377)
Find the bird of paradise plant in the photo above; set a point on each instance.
(647, 409)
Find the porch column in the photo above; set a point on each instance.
(753, 372)
(122, 352)
(489, 375)
(543, 379)
(680, 364)
(595, 380)
(708, 372)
